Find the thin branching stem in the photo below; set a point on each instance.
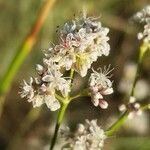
(65, 103)
(61, 99)
(146, 106)
(71, 74)
(80, 94)
(59, 121)
(116, 126)
(142, 51)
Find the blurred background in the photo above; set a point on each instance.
(20, 132)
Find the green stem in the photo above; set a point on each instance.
(71, 77)
(142, 51)
(71, 73)
(59, 121)
(121, 121)
(116, 126)
(145, 107)
(81, 94)
(62, 111)
(76, 96)
(61, 99)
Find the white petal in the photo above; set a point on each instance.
(27, 88)
(103, 104)
(52, 103)
(94, 89)
(98, 96)
(107, 91)
(65, 88)
(83, 70)
(81, 128)
(137, 105)
(47, 78)
(95, 102)
(39, 69)
(31, 81)
(43, 88)
(56, 105)
(132, 99)
(122, 107)
(37, 101)
(37, 80)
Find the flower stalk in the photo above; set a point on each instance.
(65, 103)
(116, 126)
(59, 121)
(143, 48)
(85, 92)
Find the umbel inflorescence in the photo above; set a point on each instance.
(100, 85)
(81, 42)
(88, 136)
(42, 89)
(143, 17)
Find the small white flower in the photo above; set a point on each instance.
(52, 103)
(133, 107)
(88, 136)
(99, 86)
(103, 104)
(132, 99)
(122, 107)
(64, 87)
(27, 89)
(42, 89)
(82, 41)
(37, 100)
(144, 17)
(39, 69)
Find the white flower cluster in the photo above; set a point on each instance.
(132, 106)
(144, 17)
(42, 89)
(89, 136)
(82, 41)
(99, 86)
